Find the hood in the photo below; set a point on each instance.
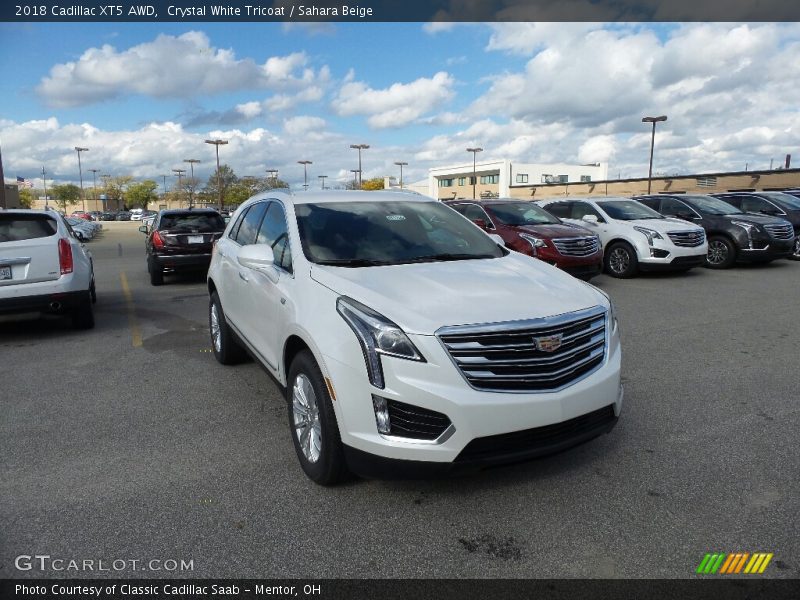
(664, 225)
(752, 218)
(422, 297)
(558, 230)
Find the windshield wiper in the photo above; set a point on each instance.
(352, 262)
(446, 256)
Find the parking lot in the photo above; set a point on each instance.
(129, 441)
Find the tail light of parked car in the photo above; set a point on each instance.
(65, 256)
(158, 241)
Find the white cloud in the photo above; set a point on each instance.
(397, 105)
(303, 125)
(150, 69)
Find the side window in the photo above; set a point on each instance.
(273, 231)
(756, 205)
(672, 208)
(474, 212)
(250, 224)
(735, 200)
(235, 229)
(458, 207)
(581, 209)
(559, 209)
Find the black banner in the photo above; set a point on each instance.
(733, 588)
(393, 10)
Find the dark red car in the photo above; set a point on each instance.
(528, 228)
(80, 214)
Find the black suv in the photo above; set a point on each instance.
(776, 204)
(733, 235)
(181, 240)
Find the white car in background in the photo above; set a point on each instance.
(635, 238)
(44, 268)
(136, 214)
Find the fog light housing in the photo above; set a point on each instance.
(381, 409)
(659, 253)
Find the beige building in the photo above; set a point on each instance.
(706, 183)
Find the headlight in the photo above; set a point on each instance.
(533, 241)
(377, 335)
(748, 227)
(650, 234)
(612, 310)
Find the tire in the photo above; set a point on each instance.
(83, 314)
(795, 255)
(93, 292)
(312, 419)
(226, 348)
(620, 260)
(156, 274)
(721, 253)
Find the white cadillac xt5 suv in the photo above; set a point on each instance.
(408, 341)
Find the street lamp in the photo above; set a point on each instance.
(359, 147)
(165, 182)
(322, 180)
(94, 183)
(217, 143)
(179, 173)
(191, 162)
(305, 164)
(474, 177)
(44, 182)
(401, 164)
(78, 149)
(652, 120)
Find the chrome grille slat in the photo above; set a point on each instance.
(688, 239)
(577, 246)
(505, 356)
(780, 232)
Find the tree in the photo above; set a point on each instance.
(376, 183)
(142, 193)
(115, 188)
(26, 197)
(210, 193)
(66, 194)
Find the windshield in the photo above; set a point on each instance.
(521, 213)
(786, 201)
(193, 222)
(711, 205)
(355, 234)
(628, 210)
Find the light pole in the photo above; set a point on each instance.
(164, 177)
(322, 180)
(474, 176)
(179, 173)
(191, 162)
(305, 164)
(217, 143)
(44, 182)
(359, 147)
(273, 174)
(94, 183)
(356, 176)
(78, 149)
(652, 120)
(401, 164)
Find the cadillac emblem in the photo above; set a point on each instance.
(548, 343)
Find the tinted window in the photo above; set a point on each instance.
(474, 212)
(364, 233)
(674, 208)
(735, 200)
(559, 209)
(235, 229)
(628, 210)
(250, 224)
(711, 205)
(273, 232)
(787, 201)
(756, 205)
(193, 222)
(581, 209)
(651, 202)
(16, 227)
(522, 213)
(460, 208)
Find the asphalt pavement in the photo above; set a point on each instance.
(130, 442)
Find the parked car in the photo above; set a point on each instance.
(44, 268)
(733, 236)
(81, 228)
(181, 240)
(96, 215)
(108, 216)
(123, 215)
(81, 214)
(528, 228)
(136, 214)
(775, 204)
(409, 341)
(634, 237)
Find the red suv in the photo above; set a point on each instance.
(528, 228)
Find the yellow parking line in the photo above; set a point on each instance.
(133, 323)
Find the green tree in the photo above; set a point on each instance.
(26, 197)
(115, 188)
(142, 193)
(227, 178)
(66, 194)
(376, 183)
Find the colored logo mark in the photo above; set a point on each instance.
(734, 563)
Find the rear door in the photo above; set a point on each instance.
(28, 248)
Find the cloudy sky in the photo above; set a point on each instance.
(143, 97)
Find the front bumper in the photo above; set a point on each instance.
(765, 249)
(663, 254)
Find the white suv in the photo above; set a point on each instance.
(44, 268)
(634, 236)
(408, 340)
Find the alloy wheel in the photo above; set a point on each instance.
(620, 260)
(796, 250)
(305, 414)
(216, 334)
(717, 252)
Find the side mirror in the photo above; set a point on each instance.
(500, 241)
(591, 219)
(143, 228)
(256, 256)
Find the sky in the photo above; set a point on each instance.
(143, 97)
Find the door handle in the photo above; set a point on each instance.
(243, 277)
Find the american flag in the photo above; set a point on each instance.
(22, 183)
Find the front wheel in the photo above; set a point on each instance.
(313, 423)
(721, 253)
(796, 249)
(621, 260)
